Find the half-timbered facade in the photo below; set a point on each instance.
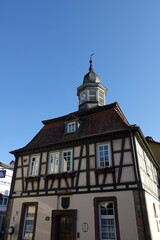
(86, 175)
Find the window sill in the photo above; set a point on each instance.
(32, 179)
(104, 170)
(60, 175)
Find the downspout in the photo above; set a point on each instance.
(57, 201)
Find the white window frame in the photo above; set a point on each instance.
(34, 165)
(101, 154)
(53, 164)
(61, 165)
(109, 226)
(65, 166)
(71, 127)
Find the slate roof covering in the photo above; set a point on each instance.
(94, 121)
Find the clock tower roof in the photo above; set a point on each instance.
(91, 93)
(91, 76)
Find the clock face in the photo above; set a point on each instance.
(83, 96)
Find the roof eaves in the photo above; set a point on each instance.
(112, 132)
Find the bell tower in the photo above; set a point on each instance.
(91, 93)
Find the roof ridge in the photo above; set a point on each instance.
(82, 112)
(121, 114)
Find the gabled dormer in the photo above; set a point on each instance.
(91, 93)
(72, 124)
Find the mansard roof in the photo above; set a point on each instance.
(94, 121)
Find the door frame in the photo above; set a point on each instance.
(55, 214)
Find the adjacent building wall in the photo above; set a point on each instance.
(5, 184)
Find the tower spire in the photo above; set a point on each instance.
(91, 93)
(90, 61)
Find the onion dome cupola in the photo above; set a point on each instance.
(91, 93)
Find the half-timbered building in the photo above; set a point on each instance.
(86, 175)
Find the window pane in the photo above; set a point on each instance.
(34, 167)
(103, 155)
(65, 223)
(67, 160)
(31, 211)
(71, 127)
(5, 201)
(54, 163)
(29, 222)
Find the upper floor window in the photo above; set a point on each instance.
(34, 165)
(71, 127)
(104, 156)
(67, 160)
(60, 161)
(53, 166)
(155, 212)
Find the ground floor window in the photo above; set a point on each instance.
(28, 221)
(106, 219)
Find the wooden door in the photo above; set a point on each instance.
(64, 225)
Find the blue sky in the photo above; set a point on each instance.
(44, 54)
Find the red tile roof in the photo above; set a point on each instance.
(95, 121)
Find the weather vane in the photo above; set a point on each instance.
(91, 56)
(90, 61)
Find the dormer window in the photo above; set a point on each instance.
(71, 127)
(72, 124)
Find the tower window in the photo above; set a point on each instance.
(101, 97)
(92, 95)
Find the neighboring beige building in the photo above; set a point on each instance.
(88, 175)
(155, 147)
